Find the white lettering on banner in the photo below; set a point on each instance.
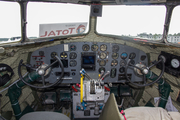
(50, 30)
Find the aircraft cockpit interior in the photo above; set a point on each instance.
(89, 60)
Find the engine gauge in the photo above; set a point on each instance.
(115, 48)
(53, 54)
(114, 62)
(122, 69)
(132, 62)
(132, 55)
(115, 55)
(124, 55)
(101, 68)
(85, 47)
(175, 63)
(103, 47)
(122, 63)
(72, 48)
(63, 55)
(72, 63)
(102, 62)
(102, 55)
(41, 53)
(94, 47)
(72, 55)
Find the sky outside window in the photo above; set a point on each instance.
(146, 22)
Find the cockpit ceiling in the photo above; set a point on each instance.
(119, 2)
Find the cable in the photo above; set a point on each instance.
(12, 83)
(2, 117)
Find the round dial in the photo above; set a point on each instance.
(101, 68)
(115, 48)
(122, 63)
(53, 54)
(72, 63)
(132, 55)
(175, 63)
(94, 47)
(102, 55)
(114, 62)
(72, 47)
(122, 69)
(103, 47)
(115, 55)
(102, 62)
(124, 55)
(85, 47)
(132, 62)
(72, 55)
(41, 53)
(63, 55)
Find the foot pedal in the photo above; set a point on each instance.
(49, 98)
(125, 91)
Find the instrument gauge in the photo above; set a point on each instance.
(41, 53)
(103, 47)
(175, 63)
(122, 69)
(72, 48)
(102, 62)
(115, 55)
(124, 55)
(114, 62)
(115, 48)
(85, 47)
(72, 55)
(122, 63)
(100, 69)
(132, 55)
(72, 63)
(94, 47)
(132, 62)
(102, 55)
(63, 55)
(53, 54)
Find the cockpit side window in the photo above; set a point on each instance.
(174, 28)
(56, 19)
(10, 22)
(143, 22)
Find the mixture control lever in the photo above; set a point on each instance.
(105, 75)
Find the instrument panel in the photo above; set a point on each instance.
(93, 57)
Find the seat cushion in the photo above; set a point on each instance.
(175, 115)
(147, 113)
(44, 115)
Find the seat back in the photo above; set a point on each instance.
(110, 110)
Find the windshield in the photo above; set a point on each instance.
(174, 28)
(138, 22)
(10, 22)
(56, 19)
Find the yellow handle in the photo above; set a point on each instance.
(81, 95)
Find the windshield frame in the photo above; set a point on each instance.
(24, 40)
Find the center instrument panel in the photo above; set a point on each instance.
(93, 57)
